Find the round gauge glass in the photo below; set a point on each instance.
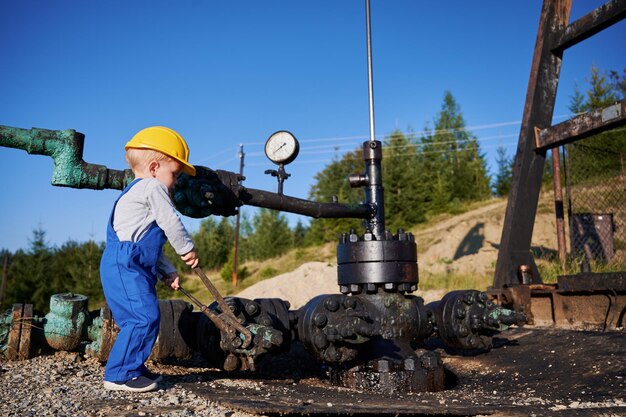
(282, 147)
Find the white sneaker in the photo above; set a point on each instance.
(136, 384)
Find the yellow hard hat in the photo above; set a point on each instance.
(166, 141)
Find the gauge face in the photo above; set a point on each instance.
(282, 147)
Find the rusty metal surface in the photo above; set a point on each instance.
(528, 165)
(530, 371)
(613, 281)
(581, 126)
(586, 301)
(599, 19)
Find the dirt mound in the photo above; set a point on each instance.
(468, 243)
(464, 244)
(307, 281)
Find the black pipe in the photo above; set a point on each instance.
(266, 199)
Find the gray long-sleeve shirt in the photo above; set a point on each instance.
(148, 201)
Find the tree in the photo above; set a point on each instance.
(30, 274)
(402, 182)
(298, 235)
(271, 236)
(600, 93)
(78, 267)
(332, 182)
(456, 169)
(214, 241)
(502, 183)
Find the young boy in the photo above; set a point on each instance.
(142, 220)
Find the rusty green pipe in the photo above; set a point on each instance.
(66, 149)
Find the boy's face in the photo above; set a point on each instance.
(167, 171)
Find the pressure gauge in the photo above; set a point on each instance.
(282, 147)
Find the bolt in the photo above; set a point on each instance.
(332, 355)
(468, 298)
(462, 330)
(381, 365)
(429, 360)
(409, 364)
(472, 341)
(231, 362)
(343, 238)
(460, 311)
(368, 236)
(482, 297)
(344, 289)
(236, 342)
(320, 340)
(355, 289)
(390, 286)
(349, 302)
(265, 320)
(252, 308)
(371, 288)
(331, 304)
(320, 320)
(363, 329)
(354, 237)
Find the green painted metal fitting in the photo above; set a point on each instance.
(5, 328)
(66, 323)
(66, 149)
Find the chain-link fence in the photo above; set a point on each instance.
(596, 195)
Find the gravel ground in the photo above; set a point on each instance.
(540, 372)
(69, 384)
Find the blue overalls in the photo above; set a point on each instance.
(128, 271)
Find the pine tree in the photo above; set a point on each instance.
(456, 169)
(331, 182)
(402, 183)
(213, 242)
(502, 183)
(608, 145)
(271, 237)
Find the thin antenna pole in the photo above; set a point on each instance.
(370, 76)
(236, 253)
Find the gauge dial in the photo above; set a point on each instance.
(282, 147)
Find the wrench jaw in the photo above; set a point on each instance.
(224, 347)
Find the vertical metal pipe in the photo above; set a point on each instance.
(236, 251)
(370, 76)
(568, 195)
(558, 206)
(372, 150)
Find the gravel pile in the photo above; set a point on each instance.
(69, 384)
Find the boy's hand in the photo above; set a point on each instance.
(191, 259)
(172, 281)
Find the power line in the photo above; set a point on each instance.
(352, 146)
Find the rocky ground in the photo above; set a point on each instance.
(529, 372)
(70, 384)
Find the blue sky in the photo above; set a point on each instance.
(233, 72)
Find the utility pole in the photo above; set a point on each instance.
(236, 253)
